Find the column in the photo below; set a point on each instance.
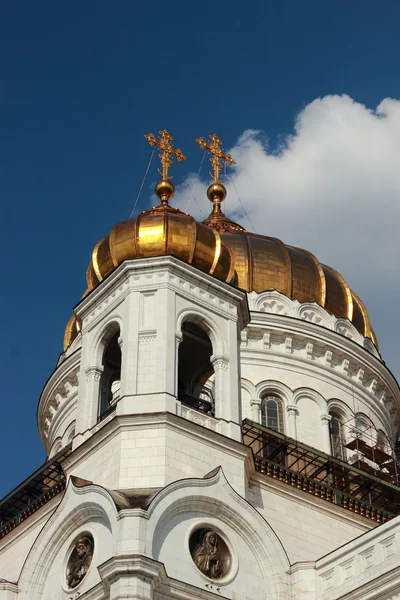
(178, 339)
(292, 412)
(325, 420)
(255, 404)
(122, 379)
(220, 364)
(93, 376)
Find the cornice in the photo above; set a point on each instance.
(58, 393)
(321, 353)
(118, 423)
(150, 273)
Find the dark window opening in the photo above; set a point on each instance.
(110, 381)
(337, 437)
(272, 413)
(195, 369)
(272, 417)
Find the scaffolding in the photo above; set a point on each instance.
(371, 455)
(331, 479)
(34, 492)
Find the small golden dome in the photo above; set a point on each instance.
(161, 231)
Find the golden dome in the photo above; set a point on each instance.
(157, 232)
(264, 263)
(224, 249)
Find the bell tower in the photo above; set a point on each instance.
(158, 347)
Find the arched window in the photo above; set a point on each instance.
(337, 436)
(195, 371)
(110, 381)
(363, 428)
(382, 442)
(272, 413)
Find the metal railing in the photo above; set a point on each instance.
(322, 475)
(200, 404)
(33, 493)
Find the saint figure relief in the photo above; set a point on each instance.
(207, 557)
(79, 562)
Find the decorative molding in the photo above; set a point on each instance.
(200, 418)
(274, 302)
(147, 336)
(94, 373)
(255, 402)
(323, 352)
(326, 418)
(220, 362)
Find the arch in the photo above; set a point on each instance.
(274, 302)
(74, 512)
(205, 321)
(248, 386)
(347, 414)
(103, 337)
(364, 428)
(195, 370)
(311, 425)
(275, 388)
(305, 392)
(111, 365)
(313, 313)
(56, 447)
(347, 329)
(228, 510)
(272, 413)
(69, 434)
(383, 442)
(337, 435)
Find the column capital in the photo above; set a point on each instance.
(326, 418)
(120, 341)
(255, 401)
(178, 338)
(93, 373)
(292, 409)
(219, 362)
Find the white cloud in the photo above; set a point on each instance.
(333, 187)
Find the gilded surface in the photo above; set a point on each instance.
(246, 260)
(167, 151)
(218, 157)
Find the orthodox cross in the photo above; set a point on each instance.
(217, 156)
(167, 151)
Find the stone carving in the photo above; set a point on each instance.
(80, 560)
(207, 557)
(274, 307)
(311, 316)
(210, 553)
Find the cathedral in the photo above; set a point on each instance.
(219, 425)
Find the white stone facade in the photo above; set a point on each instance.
(191, 466)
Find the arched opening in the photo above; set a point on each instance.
(272, 413)
(363, 428)
(195, 371)
(110, 381)
(382, 442)
(336, 434)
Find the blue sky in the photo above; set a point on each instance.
(81, 82)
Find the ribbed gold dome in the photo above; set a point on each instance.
(222, 248)
(160, 231)
(263, 263)
(163, 230)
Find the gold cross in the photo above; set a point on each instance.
(218, 157)
(167, 150)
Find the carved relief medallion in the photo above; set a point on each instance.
(79, 560)
(210, 553)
